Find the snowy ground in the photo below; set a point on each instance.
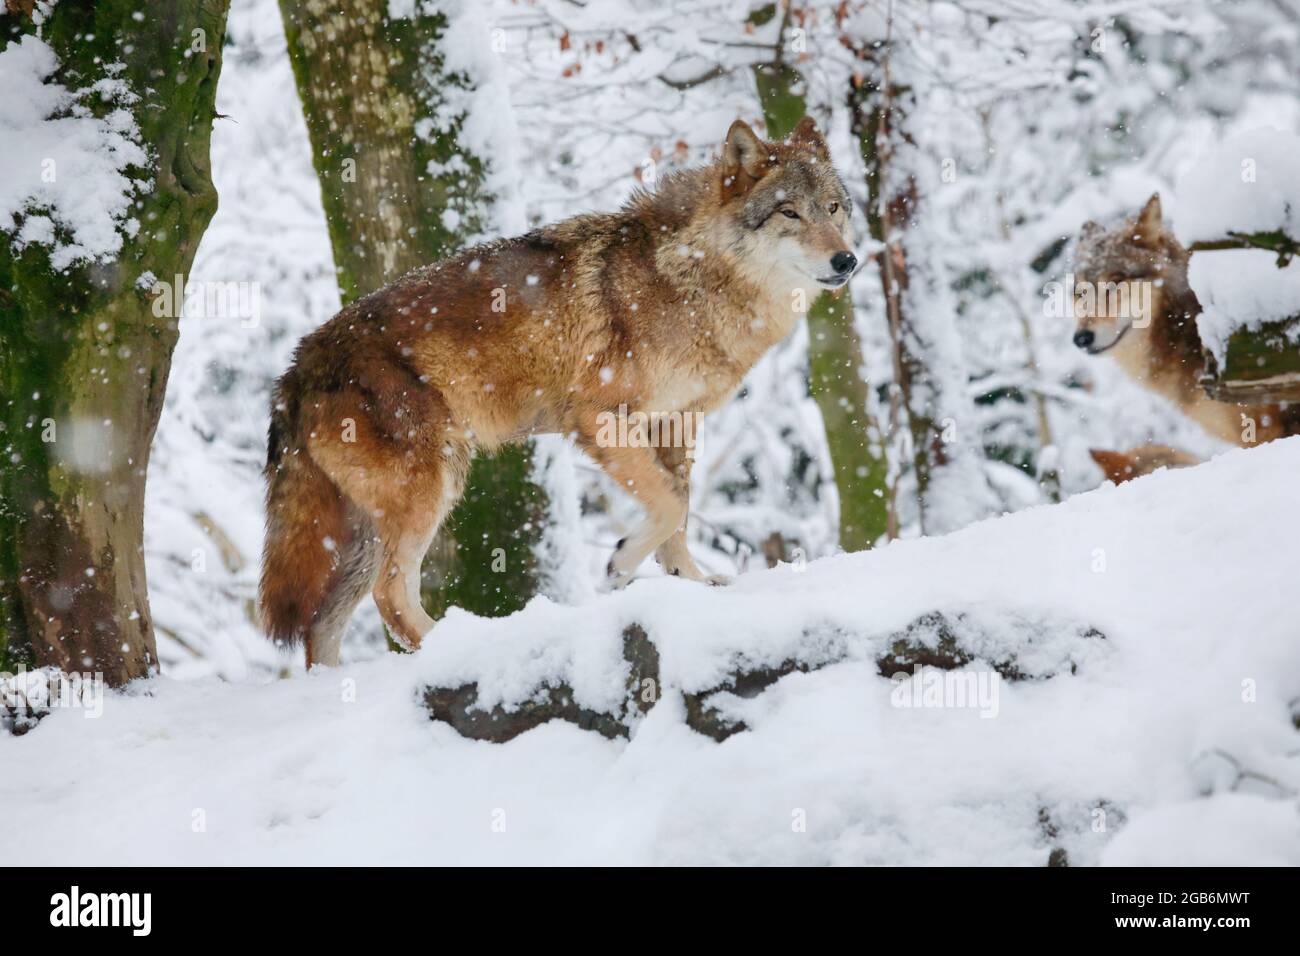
(1173, 742)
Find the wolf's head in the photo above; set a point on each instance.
(1121, 276)
(786, 208)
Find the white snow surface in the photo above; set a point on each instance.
(1241, 289)
(1172, 742)
(1248, 183)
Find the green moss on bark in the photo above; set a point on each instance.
(84, 361)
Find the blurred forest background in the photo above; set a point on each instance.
(975, 136)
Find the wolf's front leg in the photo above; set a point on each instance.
(637, 470)
(673, 555)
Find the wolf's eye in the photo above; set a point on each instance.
(833, 208)
(789, 214)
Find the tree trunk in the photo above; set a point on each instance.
(892, 203)
(84, 358)
(835, 362)
(400, 191)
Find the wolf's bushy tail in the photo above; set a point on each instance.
(318, 560)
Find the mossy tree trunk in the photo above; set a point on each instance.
(400, 191)
(835, 361)
(84, 359)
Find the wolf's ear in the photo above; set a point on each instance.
(807, 136)
(1150, 221)
(1090, 229)
(744, 158)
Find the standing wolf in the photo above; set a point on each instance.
(660, 308)
(1163, 350)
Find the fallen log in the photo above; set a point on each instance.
(1260, 365)
(945, 640)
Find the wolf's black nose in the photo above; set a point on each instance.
(1084, 338)
(844, 262)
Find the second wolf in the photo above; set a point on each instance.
(661, 308)
(1162, 351)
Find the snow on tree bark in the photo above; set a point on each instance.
(888, 210)
(85, 353)
(929, 406)
(401, 189)
(1239, 214)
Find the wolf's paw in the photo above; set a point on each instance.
(695, 574)
(617, 582)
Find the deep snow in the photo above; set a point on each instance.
(1173, 744)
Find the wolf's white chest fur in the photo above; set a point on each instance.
(1220, 419)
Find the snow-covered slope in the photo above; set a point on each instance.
(1172, 742)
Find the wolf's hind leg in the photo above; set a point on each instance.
(404, 479)
(397, 590)
(354, 576)
(407, 525)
